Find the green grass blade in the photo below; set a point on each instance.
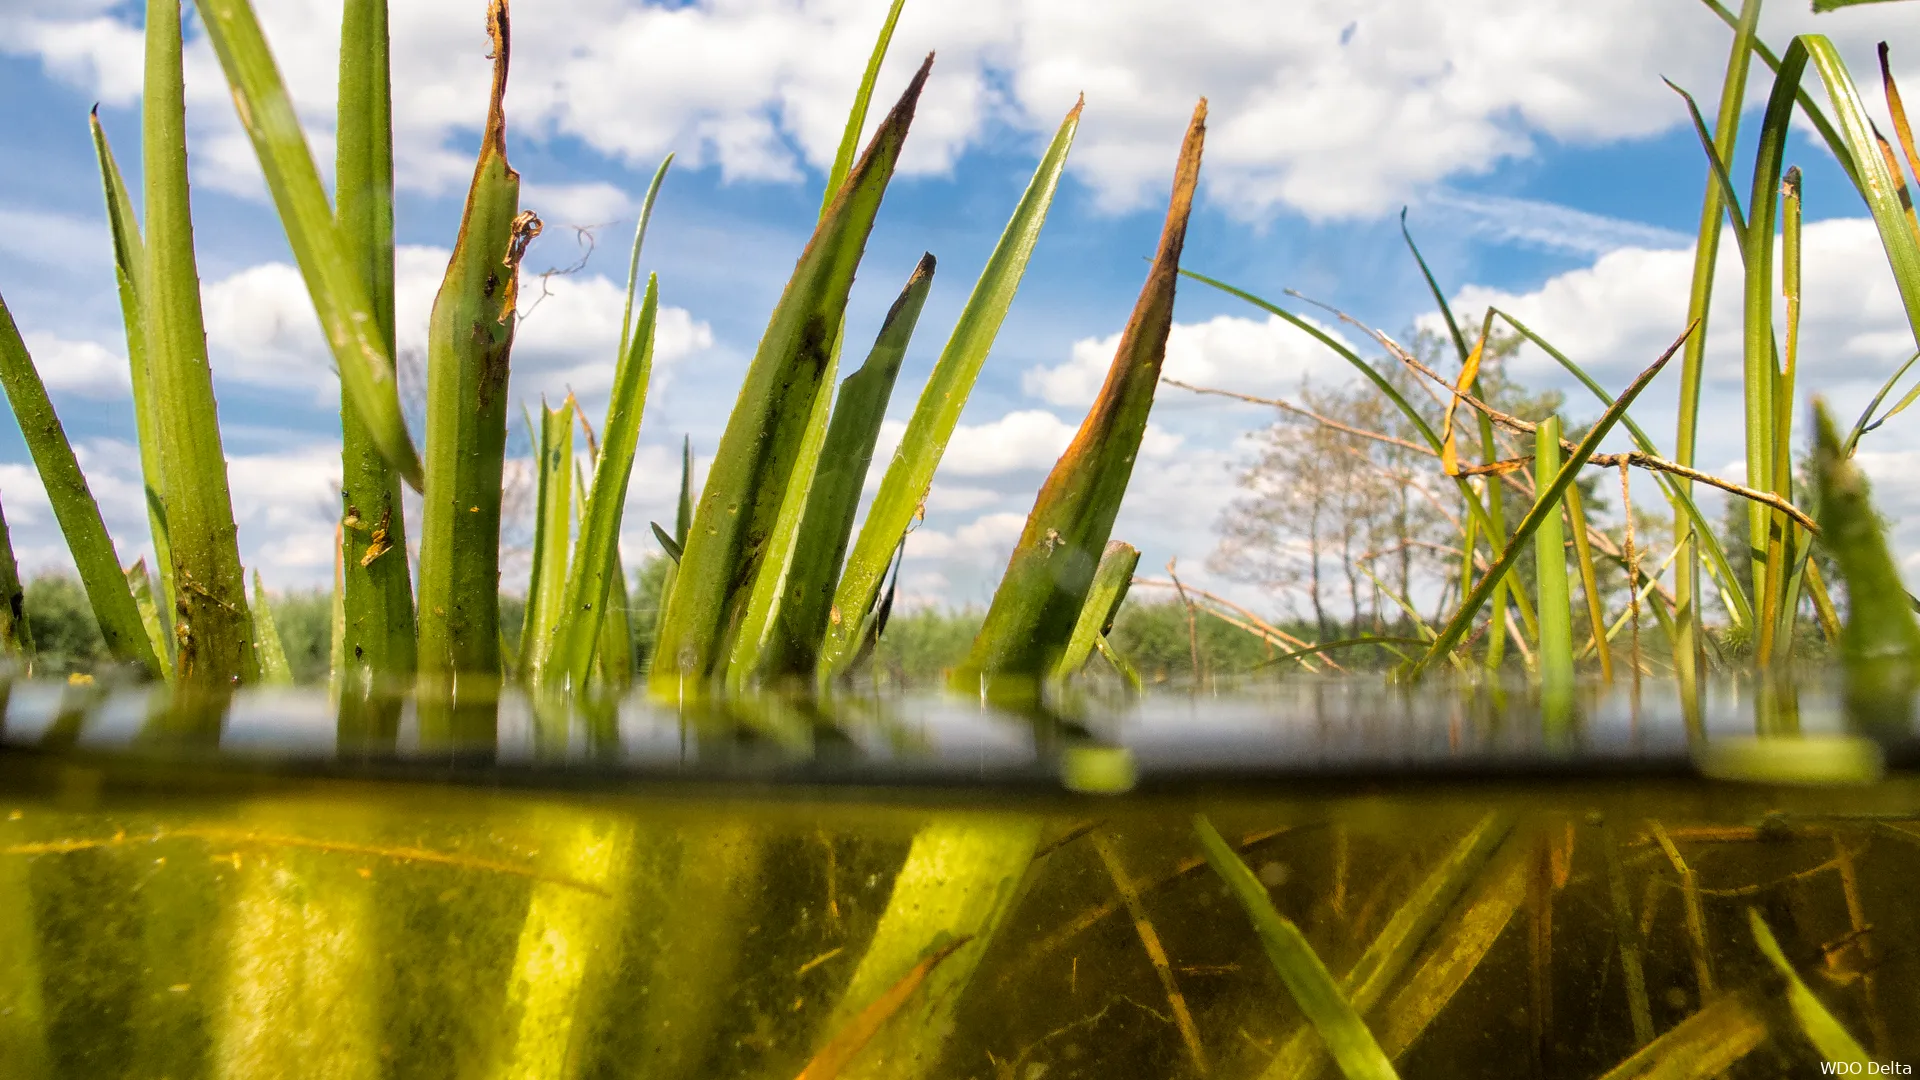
(1866, 422)
(1589, 580)
(857, 116)
(334, 279)
(613, 654)
(633, 260)
(755, 635)
(378, 579)
(1880, 643)
(1687, 644)
(752, 634)
(73, 504)
(1749, 42)
(591, 583)
(1716, 165)
(1347, 1039)
(1031, 619)
(16, 638)
(1878, 185)
(274, 669)
(1550, 567)
(552, 532)
(337, 620)
(806, 602)
(129, 262)
(1826, 1033)
(1111, 580)
(213, 635)
(909, 475)
(1741, 610)
(747, 485)
(470, 339)
(1547, 502)
(1496, 513)
(141, 582)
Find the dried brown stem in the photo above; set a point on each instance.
(1156, 952)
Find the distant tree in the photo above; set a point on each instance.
(65, 636)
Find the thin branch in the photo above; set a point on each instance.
(1259, 627)
(1309, 414)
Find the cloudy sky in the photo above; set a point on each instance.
(1546, 168)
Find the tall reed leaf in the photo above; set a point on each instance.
(212, 632)
(1550, 567)
(755, 632)
(16, 640)
(129, 262)
(335, 279)
(596, 555)
(740, 504)
(274, 669)
(378, 580)
(470, 338)
(73, 505)
(910, 474)
(1352, 1047)
(1547, 502)
(806, 605)
(1687, 643)
(1034, 610)
(552, 529)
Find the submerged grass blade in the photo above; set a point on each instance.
(470, 338)
(1456, 627)
(552, 532)
(1352, 1047)
(1111, 580)
(334, 279)
(73, 504)
(1706, 1044)
(1823, 1030)
(591, 583)
(806, 604)
(378, 577)
(909, 475)
(212, 632)
(1400, 941)
(747, 485)
(129, 263)
(1038, 601)
(851, 1039)
(274, 669)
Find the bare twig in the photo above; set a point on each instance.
(1193, 631)
(1253, 624)
(1309, 414)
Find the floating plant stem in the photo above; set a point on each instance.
(470, 338)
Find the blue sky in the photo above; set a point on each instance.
(1546, 167)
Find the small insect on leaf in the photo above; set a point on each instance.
(849, 1040)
